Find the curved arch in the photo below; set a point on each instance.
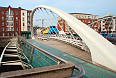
(102, 51)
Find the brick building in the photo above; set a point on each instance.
(88, 19)
(13, 21)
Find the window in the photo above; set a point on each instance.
(16, 18)
(3, 34)
(23, 24)
(16, 13)
(11, 23)
(16, 23)
(2, 12)
(28, 23)
(28, 19)
(16, 33)
(7, 12)
(95, 17)
(2, 18)
(23, 13)
(88, 17)
(11, 18)
(23, 28)
(29, 14)
(85, 20)
(17, 29)
(12, 34)
(82, 20)
(12, 29)
(7, 34)
(8, 28)
(11, 12)
(91, 17)
(7, 18)
(77, 16)
(88, 21)
(2, 23)
(82, 16)
(23, 18)
(2, 28)
(7, 23)
(85, 16)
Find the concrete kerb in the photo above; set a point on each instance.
(60, 71)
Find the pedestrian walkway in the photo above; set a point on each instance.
(91, 71)
(67, 49)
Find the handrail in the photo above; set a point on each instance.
(80, 74)
(80, 69)
(4, 52)
(56, 57)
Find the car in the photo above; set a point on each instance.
(104, 35)
(112, 38)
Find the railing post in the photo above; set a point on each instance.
(31, 56)
(24, 46)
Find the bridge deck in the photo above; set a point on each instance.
(67, 49)
(91, 71)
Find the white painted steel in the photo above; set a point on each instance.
(102, 51)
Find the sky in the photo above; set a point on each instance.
(94, 7)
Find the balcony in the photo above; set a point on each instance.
(107, 22)
(9, 19)
(106, 26)
(109, 26)
(9, 24)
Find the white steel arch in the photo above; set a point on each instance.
(102, 51)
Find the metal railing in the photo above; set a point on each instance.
(47, 54)
(4, 52)
(74, 40)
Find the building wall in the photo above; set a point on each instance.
(23, 20)
(4, 21)
(13, 22)
(85, 18)
(9, 28)
(107, 25)
(28, 21)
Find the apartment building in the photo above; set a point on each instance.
(88, 19)
(14, 20)
(108, 24)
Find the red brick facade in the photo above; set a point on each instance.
(96, 27)
(12, 23)
(28, 20)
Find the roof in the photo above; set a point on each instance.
(12, 8)
(105, 16)
(80, 13)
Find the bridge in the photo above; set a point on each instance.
(101, 53)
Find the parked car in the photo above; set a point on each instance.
(104, 35)
(112, 38)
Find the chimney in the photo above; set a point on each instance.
(19, 8)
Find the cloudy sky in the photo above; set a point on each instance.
(94, 7)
